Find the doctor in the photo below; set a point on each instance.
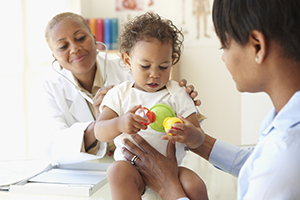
(69, 116)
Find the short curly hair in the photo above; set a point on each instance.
(148, 26)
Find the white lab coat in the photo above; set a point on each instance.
(67, 114)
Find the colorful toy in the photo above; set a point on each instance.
(169, 122)
(161, 117)
(146, 113)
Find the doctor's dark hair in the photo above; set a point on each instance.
(60, 17)
(278, 20)
(147, 27)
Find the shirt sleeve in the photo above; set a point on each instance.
(228, 157)
(183, 198)
(93, 149)
(274, 172)
(112, 99)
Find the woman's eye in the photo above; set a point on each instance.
(62, 47)
(223, 48)
(81, 38)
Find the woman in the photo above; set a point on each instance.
(70, 118)
(260, 40)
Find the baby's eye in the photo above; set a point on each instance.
(145, 67)
(163, 68)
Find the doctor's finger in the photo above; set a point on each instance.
(131, 149)
(103, 90)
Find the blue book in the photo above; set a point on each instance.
(107, 33)
(114, 32)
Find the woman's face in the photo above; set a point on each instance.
(240, 62)
(73, 47)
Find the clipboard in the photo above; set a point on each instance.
(82, 179)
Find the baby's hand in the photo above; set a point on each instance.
(186, 133)
(131, 123)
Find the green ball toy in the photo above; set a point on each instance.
(161, 111)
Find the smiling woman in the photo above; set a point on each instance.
(25, 59)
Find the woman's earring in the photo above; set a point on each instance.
(256, 59)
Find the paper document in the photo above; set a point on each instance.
(13, 172)
(82, 179)
(67, 176)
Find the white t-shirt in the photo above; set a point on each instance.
(123, 97)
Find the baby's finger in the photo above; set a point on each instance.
(173, 138)
(185, 121)
(137, 123)
(140, 119)
(134, 108)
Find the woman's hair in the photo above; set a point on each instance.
(278, 20)
(150, 26)
(60, 17)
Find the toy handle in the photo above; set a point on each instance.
(146, 113)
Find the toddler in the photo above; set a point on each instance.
(149, 46)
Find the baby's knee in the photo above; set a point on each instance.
(193, 185)
(196, 189)
(117, 169)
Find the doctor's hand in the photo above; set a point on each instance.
(131, 122)
(165, 182)
(190, 90)
(98, 98)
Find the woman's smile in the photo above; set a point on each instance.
(78, 59)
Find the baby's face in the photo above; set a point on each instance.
(150, 63)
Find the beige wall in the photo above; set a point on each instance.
(221, 102)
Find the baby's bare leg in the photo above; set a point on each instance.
(125, 181)
(194, 187)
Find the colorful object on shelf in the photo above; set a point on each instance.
(146, 113)
(161, 111)
(169, 122)
(106, 30)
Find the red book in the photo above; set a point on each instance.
(99, 30)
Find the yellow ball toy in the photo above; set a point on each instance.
(168, 123)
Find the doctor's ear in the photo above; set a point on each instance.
(126, 60)
(258, 41)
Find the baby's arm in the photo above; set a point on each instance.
(189, 132)
(109, 125)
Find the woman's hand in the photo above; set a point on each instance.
(98, 98)
(160, 173)
(190, 90)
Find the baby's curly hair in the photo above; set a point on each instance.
(148, 26)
